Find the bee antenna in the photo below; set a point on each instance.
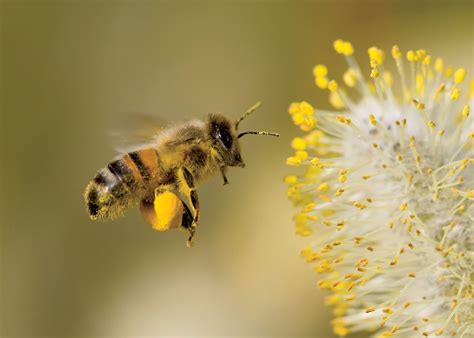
(265, 133)
(247, 113)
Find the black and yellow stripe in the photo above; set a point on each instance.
(112, 188)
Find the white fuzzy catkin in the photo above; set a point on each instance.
(385, 190)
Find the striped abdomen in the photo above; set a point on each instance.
(120, 184)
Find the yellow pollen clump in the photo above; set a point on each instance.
(403, 206)
(321, 82)
(320, 71)
(459, 75)
(465, 111)
(332, 86)
(431, 124)
(298, 143)
(376, 54)
(350, 78)
(396, 54)
(343, 47)
(298, 118)
(323, 187)
(360, 205)
(306, 108)
(336, 100)
(343, 119)
(370, 309)
(301, 154)
(411, 56)
(291, 179)
(455, 94)
(293, 161)
(374, 73)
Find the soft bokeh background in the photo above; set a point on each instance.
(70, 68)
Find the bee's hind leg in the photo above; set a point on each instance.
(187, 224)
(188, 189)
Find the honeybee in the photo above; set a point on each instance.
(160, 174)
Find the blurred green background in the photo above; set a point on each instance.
(70, 68)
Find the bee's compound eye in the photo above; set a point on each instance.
(226, 138)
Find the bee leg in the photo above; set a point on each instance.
(224, 177)
(187, 224)
(187, 188)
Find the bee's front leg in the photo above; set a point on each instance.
(224, 177)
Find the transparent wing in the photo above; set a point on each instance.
(130, 131)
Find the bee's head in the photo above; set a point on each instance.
(224, 140)
(224, 137)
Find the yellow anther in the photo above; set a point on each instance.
(399, 158)
(321, 82)
(339, 192)
(406, 305)
(455, 94)
(320, 71)
(301, 154)
(441, 133)
(350, 78)
(396, 53)
(336, 101)
(293, 161)
(412, 275)
(360, 205)
(347, 48)
(366, 177)
(291, 179)
(323, 187)
(374, 73)
(372, 120)
(306, 108)
(339, 46)
(465, 111)
(395, 261)
(343, 119)
(411, 56)
(403, 206)
(420, 53)
(438, 66)
(459, 75)
(315, 161)
(427, 60)
(332, 86)
(298, 118)
(342, 178)
(309, 123)
(376, 54)
(418, 105)
(431, 124)
(370, 309)
(298, 143)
